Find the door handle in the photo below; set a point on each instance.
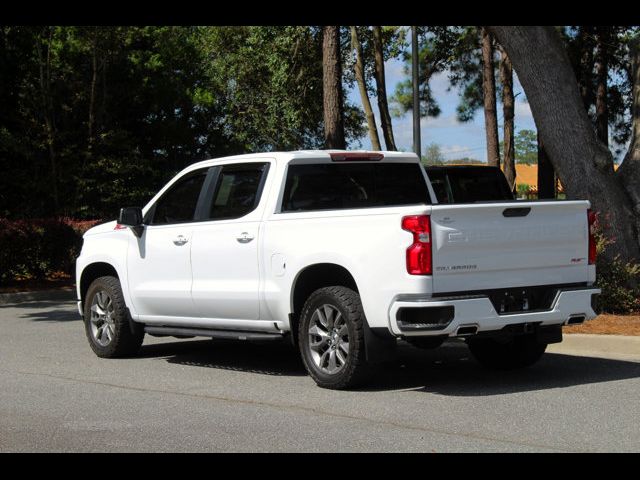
(180, 240)
(244, 237)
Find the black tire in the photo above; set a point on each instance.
(520, 352)
(354, 371)
(127, 335)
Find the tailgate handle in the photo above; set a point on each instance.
(516, 212)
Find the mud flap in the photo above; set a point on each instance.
(380, 345)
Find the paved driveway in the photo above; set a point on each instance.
(200, 395)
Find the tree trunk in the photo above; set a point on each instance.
(381, 90)
(332, 88)
(362, 85)
(602, 72)
(506, 78)
(585, 68)
(489, 94)
(583, 164)
(92, 93)
(546, 175)
(629, 170)
(44, 65)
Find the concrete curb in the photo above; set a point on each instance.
(61, 294)
(626, 346)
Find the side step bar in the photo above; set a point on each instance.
(204, 332)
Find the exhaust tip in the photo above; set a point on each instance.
(575, 320)
(466, 330)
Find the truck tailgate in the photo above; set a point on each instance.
(483, 246)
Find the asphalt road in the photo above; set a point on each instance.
(200, 395)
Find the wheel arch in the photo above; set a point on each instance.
(91, 272)
(311, 278)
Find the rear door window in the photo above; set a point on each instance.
(238, 189)
(331, 186)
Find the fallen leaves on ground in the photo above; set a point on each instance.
(609, 325)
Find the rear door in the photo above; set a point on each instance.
(497, 245)
(224, 253)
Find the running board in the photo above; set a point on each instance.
(205, 332)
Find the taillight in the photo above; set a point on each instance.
(419, 253)
(591, 218)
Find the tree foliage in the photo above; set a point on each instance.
(437, 48)
(526, 146)
(95, 118)
(433, 155)
(582, 47)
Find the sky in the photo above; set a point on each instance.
(456, 139)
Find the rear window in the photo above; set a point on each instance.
(469, 184)
(331, 186)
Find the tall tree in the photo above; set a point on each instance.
(602, 75)
(526, 146)
(43, 47)
(381, 89)
(584, 63)
(506, 79)
(583, 164)
(332, 88)
(489, 95)
(436, 49)
(433, 155)
(362, 86)
(600, 59)
(629, 171)
(268, 84)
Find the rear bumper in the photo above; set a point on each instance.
(477, 311)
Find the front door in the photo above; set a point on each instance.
(159, 262)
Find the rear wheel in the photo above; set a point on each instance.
(331, 338)
(519, 352)
(109, 329)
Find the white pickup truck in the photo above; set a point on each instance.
(343, 253)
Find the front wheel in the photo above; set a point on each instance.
(519, 352)
(331, 338)
(109, 329)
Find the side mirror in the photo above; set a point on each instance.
(132, 217)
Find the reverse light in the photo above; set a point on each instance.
(419, 253)
(591, 219)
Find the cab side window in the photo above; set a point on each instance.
(178, 204)
(238, 189)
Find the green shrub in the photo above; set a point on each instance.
(619, 281)
(37, 248)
